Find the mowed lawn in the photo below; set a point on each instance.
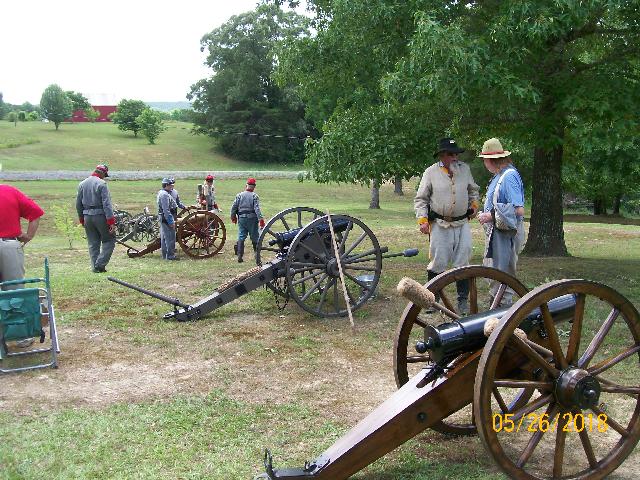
(138, 397)
(80, 146)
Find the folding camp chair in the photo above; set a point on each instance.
(24, 312)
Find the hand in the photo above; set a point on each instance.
(215, 205)
(112, 229)
(82, 221)
(24, 238)
(425, 228)
(262, 223)
(234, 219)
(474, 214)
(485, 217)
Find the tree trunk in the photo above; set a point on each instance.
(397, 181)
(546, 234)
(599, 207)
(375, 195)
(617, 200)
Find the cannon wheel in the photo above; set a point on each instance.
(285, 221)
(201, 234)
(592, 368)
(412, 323)
(315, 283)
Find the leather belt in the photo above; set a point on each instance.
(433, 215)
(8, 238)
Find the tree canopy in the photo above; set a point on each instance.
(127, 113)
(151, 124)
(80, 102)
(241, 96)
(55, 105)
(544, 76)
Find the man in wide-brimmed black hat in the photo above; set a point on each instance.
(446, 199)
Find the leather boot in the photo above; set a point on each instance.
(255, 245)
(240, 251)
(462, 286)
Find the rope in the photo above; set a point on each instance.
(339, 262)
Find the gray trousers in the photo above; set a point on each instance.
(101, 242)
(248, 225)
(502, 253)
(167, 240)
(11, 262)
(449, 246)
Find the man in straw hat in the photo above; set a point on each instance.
(504, 229)
(446, 199)
(95, 212)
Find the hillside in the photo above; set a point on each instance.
(168, 106)
(79, 146)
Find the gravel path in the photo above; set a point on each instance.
(143, 174)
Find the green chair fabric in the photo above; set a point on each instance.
(20, 314)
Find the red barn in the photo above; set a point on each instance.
(105, 104)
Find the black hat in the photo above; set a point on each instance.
(447, 145)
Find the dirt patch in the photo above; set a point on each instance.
(610, 219)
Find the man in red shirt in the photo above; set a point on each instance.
(15, 205)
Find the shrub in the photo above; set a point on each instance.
(65, 223)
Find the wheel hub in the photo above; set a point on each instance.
(332, 268)
(576, 388)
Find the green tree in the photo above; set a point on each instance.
(241, 96)
(80, 102)
(151, 124)
(538, 74)
(66, 224)
(56, 106)
(92, 114)
(22, 116)
(4, 108)
(126, 114)
(32, 116)
(182, 114)
(12, 117)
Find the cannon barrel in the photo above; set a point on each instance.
(173, 301)
(448, 340)
(284, 239)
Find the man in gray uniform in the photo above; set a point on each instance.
(174, 193)
(446, 199)
(245, 211)
(167, 214)
(95, 211)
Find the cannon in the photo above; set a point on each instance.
(297, 260)
(553, 392)
(200, 233)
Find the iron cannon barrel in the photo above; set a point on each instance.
(448, 340)
(284, 239)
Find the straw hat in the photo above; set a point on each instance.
(492, 148)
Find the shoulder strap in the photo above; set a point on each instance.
(495, 192)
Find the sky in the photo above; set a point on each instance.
(136, 49)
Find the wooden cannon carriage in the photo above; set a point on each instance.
(553, 391)
(200, 233)
(296, 259)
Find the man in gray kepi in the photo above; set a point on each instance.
(95, 212)
(167, 215)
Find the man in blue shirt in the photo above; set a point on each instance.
(505, 193)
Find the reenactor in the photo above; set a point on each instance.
(245, 211)
(167, 216)
(95, 212)
(208, 196)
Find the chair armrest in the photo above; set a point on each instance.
(21, 281)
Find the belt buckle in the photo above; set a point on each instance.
(448, 219)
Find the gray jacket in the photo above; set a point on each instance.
(93, 198)
(246, 203)
(167, 207)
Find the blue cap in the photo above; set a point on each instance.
(167, 181)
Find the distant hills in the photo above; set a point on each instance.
(168, 106)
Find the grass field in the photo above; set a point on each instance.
(138, 397)
(80, 146)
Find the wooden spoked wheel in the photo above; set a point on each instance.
(201, 234)
(584, 418)
(312, 272)
(294, 218)
(483, 281)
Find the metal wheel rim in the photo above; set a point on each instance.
(208, 233)
(290, 219)
(409, 320)
(349, 262)
(496, 345)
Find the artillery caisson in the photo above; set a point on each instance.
(558, 399)
(297, 260)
